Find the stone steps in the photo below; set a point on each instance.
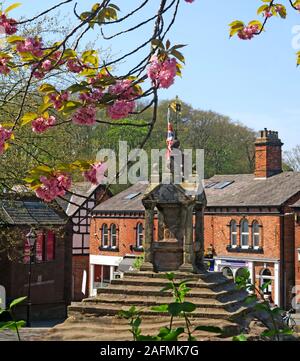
(143, 290)
(134, 299)
(112, 309)
(114, 328)
(156, 282)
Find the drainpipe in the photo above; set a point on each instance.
(282, 261)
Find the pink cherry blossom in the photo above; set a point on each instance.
(162, 73)
(4, 69)
(9, 25)
(4, 136)
(53, 186)
(47, 65)
(41, 124)
(96, 173)
(120, 109)
(58, 99)
(123, 89)
(248, 32)
(93, 96)
(74, 66)
(85, 115)
(30, 45)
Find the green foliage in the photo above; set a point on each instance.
(257, 298)
(12, 325)
(138, 262)
(178, 308)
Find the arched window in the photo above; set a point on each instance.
(233, 234)
(255, 235)
(244, 234)
(227, 272)
(113, 236)
(139, 235)
(104, 235)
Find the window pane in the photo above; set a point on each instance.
(245, 227)
(113, 235)
(39, 248)
(234, 239)
(50, 246)
(104, 235)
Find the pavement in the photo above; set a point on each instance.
(34, 333)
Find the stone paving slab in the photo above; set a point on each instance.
(27, 334)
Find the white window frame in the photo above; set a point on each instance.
(104, 234)
(139, 235)
(233, 233)
(113, 235)
(244, 234)
(256, 234)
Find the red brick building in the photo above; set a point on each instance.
(249, 223)
(296, 207)
(52, 260)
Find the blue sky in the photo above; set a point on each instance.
(255, 82)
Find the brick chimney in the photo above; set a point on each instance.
(268, 154)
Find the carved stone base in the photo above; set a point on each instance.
(187, 267)
(147, 267)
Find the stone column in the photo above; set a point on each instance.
(149, 228)
(188, 247)
(160, 222)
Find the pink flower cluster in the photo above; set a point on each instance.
(162, 73)
(30, 45)
(4, 136)
(54, 186)
(268, 13)
(85, 115)
(248, 32)
(58, 99)
(48, 64)
(9, 25)
(92, 97)
(125, 103)
(95, 173)
(4, 69)
(189, 1)
(41, 124)
(74, 66)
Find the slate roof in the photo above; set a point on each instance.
(245, 190)
(120, 202)
(296, 205)
(28, 213)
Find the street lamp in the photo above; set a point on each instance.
(31, 239)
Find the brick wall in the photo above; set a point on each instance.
(126, 235)
(217, 233)
(50, 282)
(80, 263)
(297, 246)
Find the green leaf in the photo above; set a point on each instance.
(16, 302)
(239, 338)
(168, 287)
(47, 88)
(14, 39)
(212, 329)
(170, 276)
(28, 117)
(161, 308)
(175, 308)
(188, 307)
(12, 7)
(173, 335)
